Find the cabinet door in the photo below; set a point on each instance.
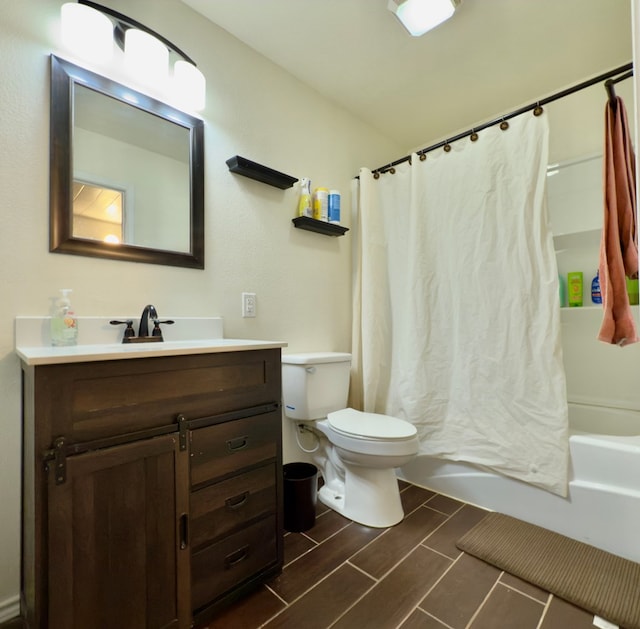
(118, 555)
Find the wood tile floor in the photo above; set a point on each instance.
(344, 575)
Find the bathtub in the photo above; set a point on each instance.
(603, 504)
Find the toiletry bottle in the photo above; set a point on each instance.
(632, 291)
(304, 204)
(574, 285)
(64, 325)
(562, 290)
(334, 206)
(320, 204)
(596, 294)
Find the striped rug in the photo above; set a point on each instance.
(597, 581)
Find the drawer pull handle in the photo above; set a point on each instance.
(234, 558)
(235, 502)
(238, 443)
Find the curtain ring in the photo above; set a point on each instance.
(392, 170)
(447, 146)
(376, 174)
(423, 156)
(538, 110)
(504, 125)
(474, 136)
(409, 160)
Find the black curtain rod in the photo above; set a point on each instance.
(536, 107)
(609, 83)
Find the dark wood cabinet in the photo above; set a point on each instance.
(152, 488)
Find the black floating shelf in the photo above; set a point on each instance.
(322, 227)
(247, 168)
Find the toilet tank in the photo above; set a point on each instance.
(315, 384)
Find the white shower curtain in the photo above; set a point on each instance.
(456, 317)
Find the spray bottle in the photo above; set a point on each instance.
(304, 205)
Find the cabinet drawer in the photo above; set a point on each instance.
(222, 449)
(221, 566)
(91, 401)
(220, 508)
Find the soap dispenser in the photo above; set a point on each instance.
(64, 325)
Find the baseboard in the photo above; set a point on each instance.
(9, 608)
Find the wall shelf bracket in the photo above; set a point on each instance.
(321, 227)
(247, 168)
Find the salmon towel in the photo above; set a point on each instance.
(619, 244)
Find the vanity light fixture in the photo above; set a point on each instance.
(89, 30)
(420, 16)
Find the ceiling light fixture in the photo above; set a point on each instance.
(420, 16)
(90, 29)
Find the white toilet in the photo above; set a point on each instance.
(355, 451)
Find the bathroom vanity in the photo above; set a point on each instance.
(152, 489)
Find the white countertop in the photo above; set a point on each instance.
(33, 348)
(90, 353)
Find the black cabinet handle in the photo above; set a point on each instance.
(184, 531)
(238, 443)
(234, 558)
(235, 502)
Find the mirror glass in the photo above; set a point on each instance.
(126, 173)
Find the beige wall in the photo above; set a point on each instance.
(254, 109)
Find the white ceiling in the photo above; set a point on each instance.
(490, 58)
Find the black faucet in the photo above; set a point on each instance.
(149, 311)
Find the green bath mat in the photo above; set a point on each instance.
(601, 583)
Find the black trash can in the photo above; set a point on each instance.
(300, 493)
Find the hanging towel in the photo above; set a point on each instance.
(619, 244)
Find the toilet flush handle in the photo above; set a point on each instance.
(310, 369)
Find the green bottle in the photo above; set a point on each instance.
(574, 285)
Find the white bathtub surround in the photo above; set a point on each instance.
(603, 504)
(459, 330)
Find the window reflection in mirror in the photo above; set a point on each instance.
(97, 213)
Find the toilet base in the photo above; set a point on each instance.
(368, 496)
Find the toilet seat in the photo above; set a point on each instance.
(371, 426)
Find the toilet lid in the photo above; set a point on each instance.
(372, 425)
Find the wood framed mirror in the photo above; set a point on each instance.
(127, 173)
